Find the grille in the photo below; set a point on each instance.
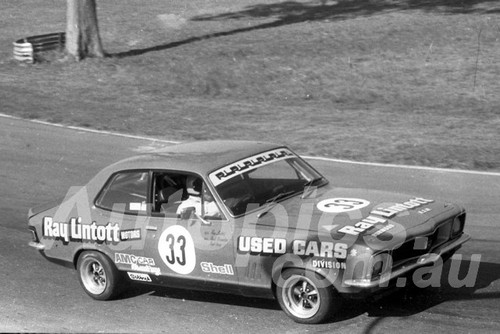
(425, 244)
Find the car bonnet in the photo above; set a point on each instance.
(356, 212)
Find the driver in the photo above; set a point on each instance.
(194, 188)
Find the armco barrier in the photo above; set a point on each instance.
(26, 49)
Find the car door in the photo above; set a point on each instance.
(191, 240)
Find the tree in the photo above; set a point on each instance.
(82, 32)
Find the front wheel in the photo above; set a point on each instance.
(98, 275)
(306, 297)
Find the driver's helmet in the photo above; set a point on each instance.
(193, 185)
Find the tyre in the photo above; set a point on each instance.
(98, 275)
(307, 297)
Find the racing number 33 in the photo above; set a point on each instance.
(181, 243)
(337, 205)
(176, 248)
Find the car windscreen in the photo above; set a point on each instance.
(265, 183)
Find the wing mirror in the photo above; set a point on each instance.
(189, 212)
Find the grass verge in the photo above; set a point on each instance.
(412, 82)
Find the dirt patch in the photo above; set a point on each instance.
(171, 21)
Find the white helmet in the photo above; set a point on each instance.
(193, 185)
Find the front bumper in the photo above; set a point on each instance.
(424, 260)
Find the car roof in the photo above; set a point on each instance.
(199, 157)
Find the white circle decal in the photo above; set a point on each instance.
(337, 205)
(176, 248)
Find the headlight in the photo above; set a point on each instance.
(34, 236)
(458, 225)
(380, 263)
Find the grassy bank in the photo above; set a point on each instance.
(411, 82)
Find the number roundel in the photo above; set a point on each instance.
(176, 248)
(337, 205)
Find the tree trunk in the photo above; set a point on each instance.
(82, 32)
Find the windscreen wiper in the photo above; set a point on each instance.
(271, 203)
(308, 185)
(279, 196)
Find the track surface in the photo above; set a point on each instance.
(39, 163)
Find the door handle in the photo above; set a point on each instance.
(151, 228)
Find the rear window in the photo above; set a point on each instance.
(125, 192)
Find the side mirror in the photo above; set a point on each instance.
(187, 212)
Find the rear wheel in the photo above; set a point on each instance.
(98, 275)
(306, 297)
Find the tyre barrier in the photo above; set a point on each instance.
(26, 49)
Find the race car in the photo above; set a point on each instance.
(248, 218)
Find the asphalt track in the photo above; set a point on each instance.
(40, 162)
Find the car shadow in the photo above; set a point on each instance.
(404, 302)
(293, 12)
(199, 296)
(412, 300)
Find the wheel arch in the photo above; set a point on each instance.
(81, 250)
(334, 279)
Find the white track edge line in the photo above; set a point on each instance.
(78, 128)
(375, 164)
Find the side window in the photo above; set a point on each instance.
(169, 190)
(176, 193)
(125, 192)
